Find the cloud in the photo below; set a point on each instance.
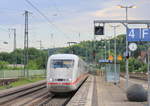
(107, 13)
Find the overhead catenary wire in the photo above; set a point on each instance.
(44, 16)
(56, 7)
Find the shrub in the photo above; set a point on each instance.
(136, 65)
(3, 65)
(33, 65)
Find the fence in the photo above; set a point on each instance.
(20, 73)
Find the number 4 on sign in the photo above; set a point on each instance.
(131, 33)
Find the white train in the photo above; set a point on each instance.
(65, 72)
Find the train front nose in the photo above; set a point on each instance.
(60, 75)
(60, 85)
(60, 81)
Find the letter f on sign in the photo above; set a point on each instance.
(144, 33)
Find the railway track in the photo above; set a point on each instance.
(35, 94)
(27, 92)
(59, 100)
(56, 100)
(32, 95)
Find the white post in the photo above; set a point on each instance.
(148, 71)
(127, 52)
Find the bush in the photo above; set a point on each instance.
(33, 65)
(136, 65)
(143, 68)
(3, 65)
(122, 66)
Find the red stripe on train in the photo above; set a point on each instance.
(71, 83)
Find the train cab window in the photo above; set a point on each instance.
(62, 63)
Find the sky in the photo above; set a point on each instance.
(68, 20)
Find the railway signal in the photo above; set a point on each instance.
(99, 30)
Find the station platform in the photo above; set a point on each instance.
(97, 92)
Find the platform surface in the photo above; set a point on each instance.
(113, 95)
(97, 92)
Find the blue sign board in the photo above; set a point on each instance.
(138, 34)
(105, 61)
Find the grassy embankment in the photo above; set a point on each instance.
(22, 81)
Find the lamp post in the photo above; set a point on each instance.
(109, 39)
(14, 31)
(127, 53)
(40, 42)
(115, 57)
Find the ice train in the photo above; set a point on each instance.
(65, 72)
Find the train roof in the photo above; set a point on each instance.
(64, 56)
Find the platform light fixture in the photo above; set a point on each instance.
(127, 51)
(121, 6)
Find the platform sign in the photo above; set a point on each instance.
(105, 61)
(119, 58)
(132, 46)
(110, 58)
(138, 34)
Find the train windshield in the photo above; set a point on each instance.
(62, 63)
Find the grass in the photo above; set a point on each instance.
(22, 81)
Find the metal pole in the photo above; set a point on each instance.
(109, 47)
(14, 39)
(105, 49)
(40, 41)
(40, 44)
(24, 62)
(51, 45)
(26, 45)
(115, 51)
(127, 52)
(27, 55)
(94, 47)
(148, 70)
(79, 37)
(15, 46)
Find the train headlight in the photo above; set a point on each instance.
(50, 79)
(70, 79)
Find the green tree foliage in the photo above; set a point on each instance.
(136, 65)
(3, 65)
(17, 57)
(33, 65)
(84, 49)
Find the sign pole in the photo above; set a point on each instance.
(148, 71)
(127, 54)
